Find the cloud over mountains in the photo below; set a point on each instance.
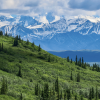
(40, 8)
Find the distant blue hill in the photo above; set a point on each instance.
(88, 55)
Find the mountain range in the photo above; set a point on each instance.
(64, 34)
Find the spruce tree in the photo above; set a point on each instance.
(2, 47)
(96, 94)
(27, 42)
(36, 89)
(71, 76)
(39, 48)
(76, 60)
(57, 88)
(68, 59)
(21, 97)
(78, 77)
(19, 72)
(4, 87)
(61, 95)
(71, 60)
(76, 97)
(68, 94)
(33, 44)
(82, 61)
(46, 91)
(85, 65)
(81, 97)
(90, 95)
(92, 92)
(1, 33)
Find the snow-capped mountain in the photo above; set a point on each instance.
(71, 34)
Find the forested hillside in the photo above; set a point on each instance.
(27, 72)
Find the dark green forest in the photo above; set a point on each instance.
(27, 72)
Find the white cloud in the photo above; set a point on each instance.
(59, 8)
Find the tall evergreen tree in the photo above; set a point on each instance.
(4, 87)
(71, 76)
(85, 65)
(81, 97)
(46, 91)
(96, 94)
(1, 33)
(21, 97)
(19, 72)
(76, 97)
(71, 60)
(68, 94)
(78, 77)
(92, 92)
(90, 95)
(76, 59)
(82, 61)
(68, 59)
(27, 42)
(39, 49)
(33, 44)
(2, 47)
(57, 88)
(36, 89)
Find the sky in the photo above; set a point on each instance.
(50, 10)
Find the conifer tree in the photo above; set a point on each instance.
(39, 49)
(6, 34)
(71, 60)
(65, 94)
(81, 97)
(21, 97)
(15, 42)
(61, 95)
(57, 88)
(96, 94)
(82, 61)
(2, 47)
(76, 97)
(36, 89)
(4, 87)
(46, 91)
(85, 65)
(68, 59)
(68, 94)
(78, 77)
(33, 44)
(27, 42)
(1, 33)
(76, 59)
(71, 76)
(19, 72)
(92, 92)
(19, 38)
(90, 95)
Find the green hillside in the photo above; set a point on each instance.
(23, 65)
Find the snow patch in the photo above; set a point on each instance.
(72, 27)
(37, 26)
